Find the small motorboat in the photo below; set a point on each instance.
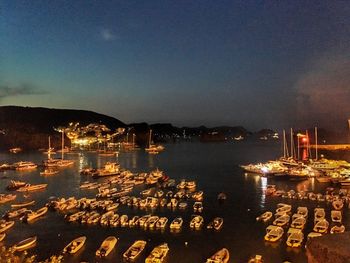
(5, 225)
(338, 204)
(151, 222)
(265, 216)
(313, 235)
(282, 220)
(221, 256)
(25, 244)
(198, 207)
(273, 233)
(48, 172)
(303, 211)
(336, 216)
(134, 250)
(298, 223)
(23, 204)
(158, 254)
(161, 223)
(176, 223)
(319, 214)
(14, 185)
(321, 226)
(295, 237)
(107, 246)
(30, 188)
(74, 246)
(32, 215)
(337, 229)
(16, 213)
(196, 222)
(4, 198)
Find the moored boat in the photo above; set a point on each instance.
(197, 222)
(75, 245)
(134, 250)
(30, 187)
(176, 223)
(107, 246)
(4, 198)
(32, 215)
(158, 254)
(273, 233)
(25, 244)
(221, 256)
(321, 226)
(265, 216)
(5, 225)
(23, 204)
(216, 224)
(337, 229)
(295, 237)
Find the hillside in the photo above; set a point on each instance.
(29, 127)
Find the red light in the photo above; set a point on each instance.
(304, 139)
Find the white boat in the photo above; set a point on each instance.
(151, 222)
(303, 211)
(48, 172)
(221, 256)
(5, 225)
(24, 166)
(32, 187)
(336, 216)
(298, 223)
(23, 204)
(319, 214)
(313, 235)
(295, 237)
(32, 215)
(4, 198)
(273, 233)
(338, 204)
(282, 220)
(265, 216)
(176, 223)
(321, 226)
(75, 245)
(109, 169)
(25, 244)
(198, 207)
(158, 254)
(337, 229)
(161, 223)
(197, 222)
(107, 246)
(134, 250)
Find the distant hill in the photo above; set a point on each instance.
(29, 127)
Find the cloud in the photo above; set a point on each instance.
(323, 93)
(23, 89)
(107, 34)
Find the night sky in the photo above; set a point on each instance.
(252, 63)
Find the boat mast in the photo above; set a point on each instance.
(316, 149)
(133, 140)
(62, 154)
(284, 144)
(298, 147)
(150, 137)
(49, 150)
(292, 150)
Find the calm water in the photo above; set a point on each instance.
(215, 168)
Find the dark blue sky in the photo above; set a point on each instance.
(252, 63)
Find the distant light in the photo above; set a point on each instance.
(265, 169)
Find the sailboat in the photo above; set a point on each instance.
(153, 148)
(58, 162)
(286, 159)
(50, 150)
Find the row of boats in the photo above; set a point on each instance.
(298, 221)
(325, 170)
(339, 199)
(157, 255)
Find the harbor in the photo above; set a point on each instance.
(246, 197)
